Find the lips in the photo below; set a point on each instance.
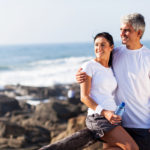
(100, 51)
(99, 54)
(124, 39)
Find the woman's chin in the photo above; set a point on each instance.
(99, 55)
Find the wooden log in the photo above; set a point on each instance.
(76, 141)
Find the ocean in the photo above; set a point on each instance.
(44, 65)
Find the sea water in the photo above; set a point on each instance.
(44, 65)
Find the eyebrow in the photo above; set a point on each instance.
(102, 43)
(128, 29)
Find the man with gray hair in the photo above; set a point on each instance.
(131, 66)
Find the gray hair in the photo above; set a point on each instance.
(136, 20)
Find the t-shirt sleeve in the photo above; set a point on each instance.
(87, 67)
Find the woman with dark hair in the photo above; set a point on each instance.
(97, 93)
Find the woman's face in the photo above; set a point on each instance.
(102, 47)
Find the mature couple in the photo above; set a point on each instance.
(116, 75)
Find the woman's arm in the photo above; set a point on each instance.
(85, 88)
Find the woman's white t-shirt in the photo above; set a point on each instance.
(102, 87)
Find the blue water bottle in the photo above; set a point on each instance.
(120, 109)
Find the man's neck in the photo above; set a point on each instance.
(134, 46)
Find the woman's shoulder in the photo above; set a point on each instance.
(88, 63)
(88, 67)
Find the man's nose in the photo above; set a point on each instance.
(121, 33)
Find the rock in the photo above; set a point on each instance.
(26, 127)
(37, 134)
(76, 124)
(73, 125)
(37, 92)
(26, 107)
(18, 142)
(8, 104)
(16, 136)
(9, 129)
(56, 111)
(41, 92)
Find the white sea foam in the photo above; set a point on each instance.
(44, 73)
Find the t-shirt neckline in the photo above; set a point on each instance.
(134, 51)
(108, 68)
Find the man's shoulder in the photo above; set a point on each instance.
(146, 52)
(146, 55)
(145, 49)
(118, 49)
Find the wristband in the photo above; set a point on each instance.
(98, 109)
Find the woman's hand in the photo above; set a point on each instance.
(81, 76)
(111, 117)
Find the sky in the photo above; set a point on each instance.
(65, 21)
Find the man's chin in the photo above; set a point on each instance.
(124, 42)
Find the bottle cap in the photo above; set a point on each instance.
(122, 104)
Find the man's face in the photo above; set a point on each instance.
(128, 35)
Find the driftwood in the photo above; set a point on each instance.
(77, 141)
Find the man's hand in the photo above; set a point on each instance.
(81, 76)
(111, 117)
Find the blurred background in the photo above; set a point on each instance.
(43, 42)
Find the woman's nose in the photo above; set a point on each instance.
(99, 48)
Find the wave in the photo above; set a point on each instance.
(44, 72)
(3, 68)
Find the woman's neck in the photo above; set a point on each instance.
(103, 61)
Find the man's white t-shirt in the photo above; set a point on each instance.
(132, 72)
(102, 87)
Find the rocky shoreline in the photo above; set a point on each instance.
(29, 127)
